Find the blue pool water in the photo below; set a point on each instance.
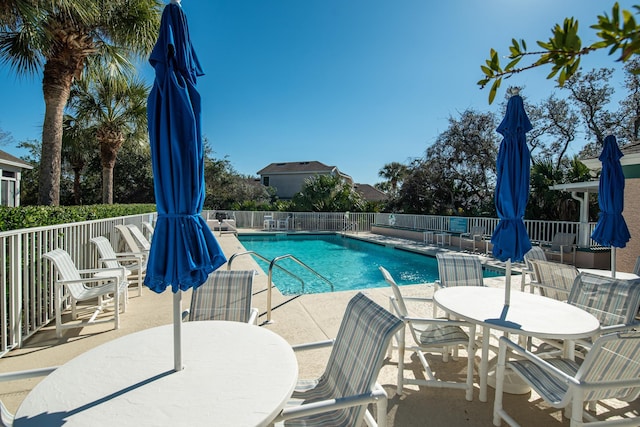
(350, 264)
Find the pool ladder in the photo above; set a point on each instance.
(272, 264)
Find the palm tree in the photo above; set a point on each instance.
(115, 109)
(76, 151)
(394, 173)
(62, 38)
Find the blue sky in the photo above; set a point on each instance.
(354, 84)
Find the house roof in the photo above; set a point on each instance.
(8, 159)
(296, 167)
(370, 193)
(631, 157)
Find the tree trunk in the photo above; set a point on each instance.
(56, 93)
(77, 191)
(110, 143)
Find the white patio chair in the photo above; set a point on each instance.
(139, 236)
(226, 295)
(611, 370)
(456, 269)
(473, 235)
(269, 223)
(131, 243)
(134, 263)
(149, 229)
(636, 268)
(430, 335)
(6, 417)
(536, 252)
(614, 302)
(110, 287)
(561, 244)
(554, 280)
(340, 396)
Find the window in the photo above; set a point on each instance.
(265, 181)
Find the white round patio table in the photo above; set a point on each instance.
(527, 314)
(607, 273)
(235, 374)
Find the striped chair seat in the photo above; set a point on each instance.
(457, 269)
(226, 295)
(441, 336)
(610, 370)
(554, 280)
(535, 253)
(351, 372)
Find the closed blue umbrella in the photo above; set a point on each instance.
(183, 250)
(510, 239)
(611, 229)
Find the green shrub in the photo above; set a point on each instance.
(39, 216)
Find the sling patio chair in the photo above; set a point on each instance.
(226, 295)
(610, 370)
(430, 335)
(636, 268)
(340, 396)
(614, 302)
(6, 417)
(554, 280)
(456, 269)
(535, 253)
(134, 263)
(148, 229)
(107, 285)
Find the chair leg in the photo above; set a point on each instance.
(471, 351)
(497, 403)
(401, 362)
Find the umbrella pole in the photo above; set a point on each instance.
(177, 331)
(613, 262)
(507, 283)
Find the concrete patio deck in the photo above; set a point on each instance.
(300, 319)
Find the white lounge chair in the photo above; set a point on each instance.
(139, 236)
(475, 233)
(131, 244)
(107, 285)
(6, 417)
(340, 396)
(611, 370)
(561, 244)
(134, 262)
(432, 335)
(226, 295)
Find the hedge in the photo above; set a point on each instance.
(15, 218)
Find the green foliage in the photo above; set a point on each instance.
(328, 193)
(564, 49)
(39, 216)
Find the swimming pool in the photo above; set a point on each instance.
(350, 264)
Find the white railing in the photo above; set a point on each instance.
(27, 282)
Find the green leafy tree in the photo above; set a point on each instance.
(328, 193)
(114, 110)
(619, 33)
(59, 39)
(76, 152)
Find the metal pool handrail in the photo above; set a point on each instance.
(273, 263)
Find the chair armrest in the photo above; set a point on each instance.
(91, 280)
(332, 404)
(443, 322)
(31, 373)
(100, 270)
(312, 345)
(185, 314)
(253, 316)
(521, 351)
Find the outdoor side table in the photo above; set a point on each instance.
(234, 374)
(441, 238)
(427, 237)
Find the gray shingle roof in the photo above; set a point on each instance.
(295, 167)
(8, 158)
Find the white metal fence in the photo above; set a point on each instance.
(27, 282)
